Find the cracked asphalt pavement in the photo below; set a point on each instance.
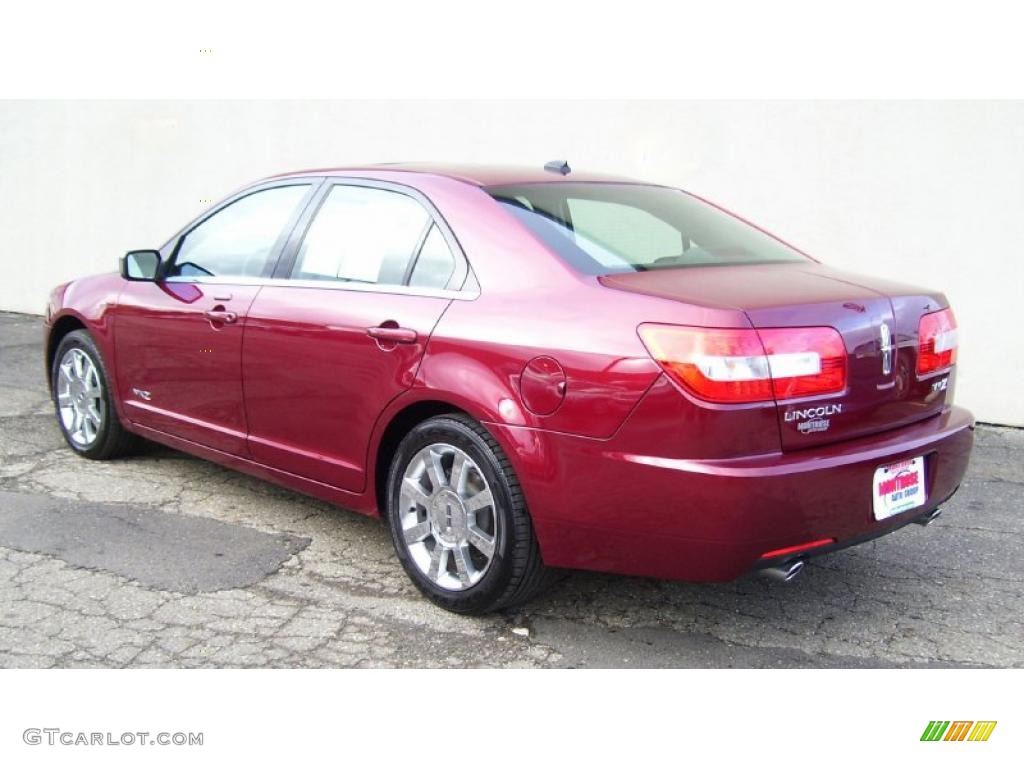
(164, 560)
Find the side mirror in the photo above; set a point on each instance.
(140, 265)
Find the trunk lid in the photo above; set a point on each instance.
(877, 319)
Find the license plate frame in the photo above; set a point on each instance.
(898, 487)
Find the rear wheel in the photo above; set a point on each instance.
(459, 521)
(83, 400)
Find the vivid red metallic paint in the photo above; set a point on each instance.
(623, 470)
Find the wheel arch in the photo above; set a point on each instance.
(60, 328)
(98, 325)
(398, 426)
(528, 449)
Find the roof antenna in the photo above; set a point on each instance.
(558, 166)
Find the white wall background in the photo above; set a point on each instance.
(924, 192)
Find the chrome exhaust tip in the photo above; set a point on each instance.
(930, 518)
(786, 572)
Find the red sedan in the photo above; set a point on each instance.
(524, 370)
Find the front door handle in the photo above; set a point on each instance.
(393, 334)
(220, 316)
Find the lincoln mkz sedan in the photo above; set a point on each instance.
(524, 371)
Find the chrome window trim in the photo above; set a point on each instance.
(332, 285)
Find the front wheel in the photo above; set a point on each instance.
(459, 521)
(84, 402)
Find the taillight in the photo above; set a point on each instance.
(721, 365)
(805, 361)
(743, 365)
(937, 342)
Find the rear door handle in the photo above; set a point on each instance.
(220, 316)
(393, 334)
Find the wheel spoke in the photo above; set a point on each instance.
(413, 491)
(417, 533)
(435, 471)
(484, 542)
(64, 399)
(479, 501)
(436, 565)
(459, 473)
(463, 565)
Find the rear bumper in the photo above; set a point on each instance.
(599, 507)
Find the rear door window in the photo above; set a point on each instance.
(363, 235)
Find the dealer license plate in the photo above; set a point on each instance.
(898, 487)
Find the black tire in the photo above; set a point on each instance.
(516, 572)
(111, 439)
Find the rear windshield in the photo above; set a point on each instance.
(601, 229)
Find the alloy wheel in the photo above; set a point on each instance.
(80, 397)
(447, 517)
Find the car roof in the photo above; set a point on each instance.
(479, 175)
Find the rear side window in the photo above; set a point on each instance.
(368, 235)
(239, 239)
(608, 228)
(435, 263)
